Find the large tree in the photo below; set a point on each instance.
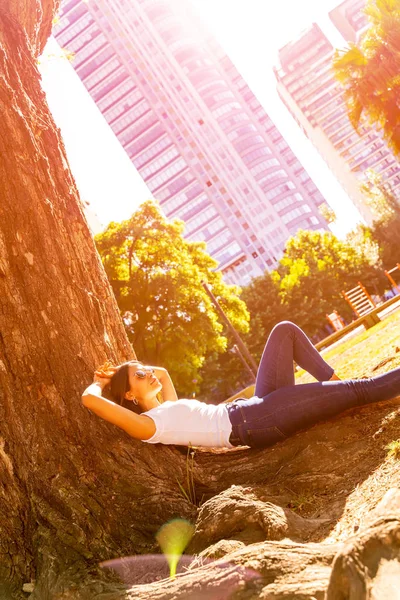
(158, 277)
(314, 270)
(369, 72)
(72, 488)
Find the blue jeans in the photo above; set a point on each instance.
(280, 409)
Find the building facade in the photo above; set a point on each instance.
(349, 19)
(307, 85)
(193, 129)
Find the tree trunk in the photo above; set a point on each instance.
(71, 487)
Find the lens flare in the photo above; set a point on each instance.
(173, 538)
(139, 571)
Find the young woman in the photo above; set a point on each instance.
(276, 411)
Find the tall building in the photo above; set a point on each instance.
(350, 19)
(307, 85)
(192, 127)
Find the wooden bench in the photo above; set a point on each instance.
(368, 320)
(359, 300)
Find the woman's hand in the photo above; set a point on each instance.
(104, 373)
(168, 389)
(159, 372)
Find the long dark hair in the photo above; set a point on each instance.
(119, 386)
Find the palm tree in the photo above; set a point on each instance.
(370, 72)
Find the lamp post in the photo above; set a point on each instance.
(242, 351)
(236, 350)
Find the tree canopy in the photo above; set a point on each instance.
(157, 276)
(385, 230)
(370, 71)
(307, 285)
(315, 269)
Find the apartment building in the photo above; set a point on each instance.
(191, 126)
(307, 85)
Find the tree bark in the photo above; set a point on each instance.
(368, 565)
(71, 488)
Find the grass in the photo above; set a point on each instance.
(300, 502)
(393, 449)
(188, 488)
(359, 355)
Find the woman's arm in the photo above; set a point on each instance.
(137, 426)
(168, 389)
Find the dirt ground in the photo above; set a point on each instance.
(370, 353)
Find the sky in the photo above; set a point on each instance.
(104, 174)
(251, 32)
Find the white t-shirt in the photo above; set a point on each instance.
(191, 423)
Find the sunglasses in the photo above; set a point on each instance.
(142, 373)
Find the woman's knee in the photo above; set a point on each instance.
(284, 327)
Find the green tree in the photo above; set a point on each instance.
(385, 230)
(223, 374)
(370, 72)
(327, 213)
(379, 196)
(315, 269)
(157, 278)
(264, 303)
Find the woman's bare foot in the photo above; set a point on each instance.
(335, 378)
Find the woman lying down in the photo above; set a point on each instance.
(278, 409)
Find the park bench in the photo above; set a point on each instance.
(360, 301)
(389, 276)
(368, 320)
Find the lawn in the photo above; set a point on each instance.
(359, 355)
